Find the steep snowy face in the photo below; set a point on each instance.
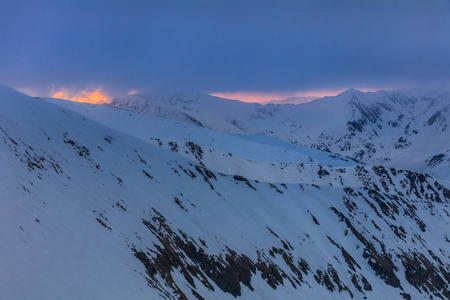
(402, 128)
(88, 211)
(405, 129)
(222, 152)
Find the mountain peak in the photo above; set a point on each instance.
(167, 209)
(352, 91)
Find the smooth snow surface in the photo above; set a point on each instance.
(406, 129)
(102, 203)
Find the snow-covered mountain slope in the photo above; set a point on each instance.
(222, 152)
(291, 100)
(403, 129)
(88, 212)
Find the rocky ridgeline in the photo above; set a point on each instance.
(180, 228)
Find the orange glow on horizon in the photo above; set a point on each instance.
(59, 95)
(133, 92)
(262, 97)
(95, 97)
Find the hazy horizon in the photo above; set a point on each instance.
(254, 50)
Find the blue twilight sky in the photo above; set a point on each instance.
(284, 47)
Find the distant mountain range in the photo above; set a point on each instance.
(404, 129)
(291, 100)
(195, 197)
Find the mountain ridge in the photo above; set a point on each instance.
(291, 100)
(132, 218)
(400, 128)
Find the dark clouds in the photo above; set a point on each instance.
(264, 46)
